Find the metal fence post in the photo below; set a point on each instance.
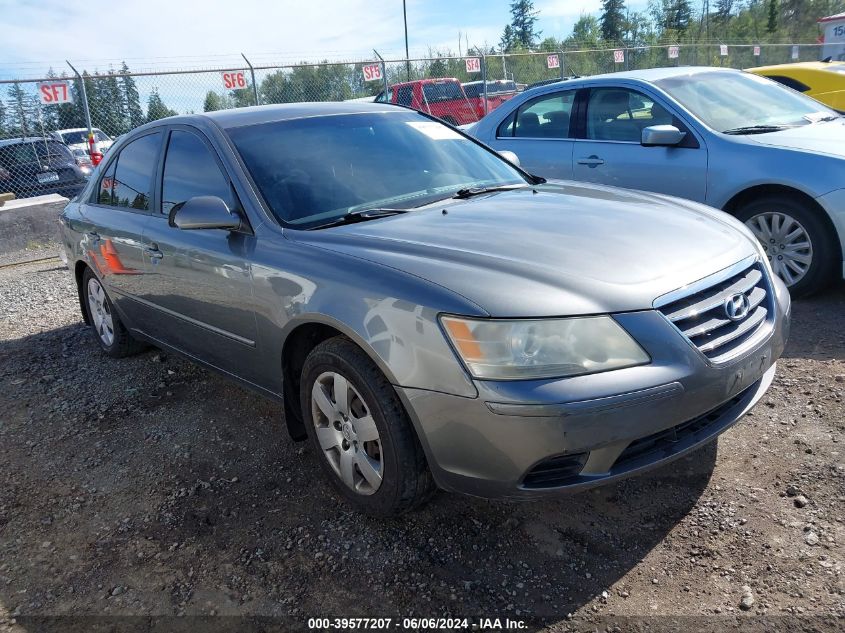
(383, 73)
(562, 66)
(254, 85)
(84, 99)
(484, 79)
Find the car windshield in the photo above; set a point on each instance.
(75, 138)
(313, 170)
(727, 101)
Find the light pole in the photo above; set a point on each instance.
(407, 58)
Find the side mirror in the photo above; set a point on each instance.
(662, 135)
(204, 212)
(509, 156)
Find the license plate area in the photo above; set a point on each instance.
(47, 176)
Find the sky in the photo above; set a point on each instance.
(157, 34)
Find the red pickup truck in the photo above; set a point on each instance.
(443, 98)
(498, 91)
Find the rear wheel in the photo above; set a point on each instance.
(796, 240)
(111, 335)
(366, 443)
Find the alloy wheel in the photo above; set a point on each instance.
(785, 242)
(347, 433)
(100, 311)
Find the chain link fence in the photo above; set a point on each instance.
(47, 124)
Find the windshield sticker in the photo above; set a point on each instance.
(436, 131)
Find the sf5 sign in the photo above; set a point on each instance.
(53, 92)
(372, 72)
(234, 80)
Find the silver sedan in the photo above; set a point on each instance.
(764, 153)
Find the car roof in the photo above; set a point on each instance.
(648, 75)
(25, 139)
(77, 129)
(283, 112)
(798, 65)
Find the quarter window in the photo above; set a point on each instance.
(191, 170)
(128, 182)
(547, 116)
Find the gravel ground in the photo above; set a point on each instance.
(149, 486)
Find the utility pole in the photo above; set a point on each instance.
(407, 57)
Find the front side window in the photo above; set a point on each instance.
(314, 170)
(405, 95)
(736, 102)
(547, 116)
(191, 170)
(132, 180)
(617, 114)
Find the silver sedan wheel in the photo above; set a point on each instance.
(347, 433)
(100, 311)
(786, 243)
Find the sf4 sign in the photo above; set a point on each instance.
(234, 80)
(552, 61)
(372, 72)
(53, 92)
(473, 64)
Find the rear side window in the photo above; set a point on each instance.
(17, 154)
(789, 82)
(442, 91)
(405, 95)
(52, 149)
(129, 180)
(191, 170)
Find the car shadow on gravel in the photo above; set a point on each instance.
(817, 331)
(148, 485)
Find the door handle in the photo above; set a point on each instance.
(592, 161)
(153, 252)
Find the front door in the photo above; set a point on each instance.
(612, 152)
(538, 132)
(201, 284)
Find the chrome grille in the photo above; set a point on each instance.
(706, 319)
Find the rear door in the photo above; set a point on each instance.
(200, 284)
(117, 211)
(609, 149)
(539, 132)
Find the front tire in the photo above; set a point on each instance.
(797, 241)
(363, 437)
(110, 333)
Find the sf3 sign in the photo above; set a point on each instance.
(552, 61)
(473, 64)
(53, 92)
(234, 80)
(372, 72)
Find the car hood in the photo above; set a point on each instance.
(556, 249)
(821, 138)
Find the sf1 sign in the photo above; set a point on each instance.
(53, 92)
(473, 64)
(234, 80)
(372, 72)
(552, 61)
(618, 56)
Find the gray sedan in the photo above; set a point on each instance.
(429, 314)
(764, 153)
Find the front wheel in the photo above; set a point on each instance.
(795, 239)
(365, 442)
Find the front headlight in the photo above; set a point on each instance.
(530, 349)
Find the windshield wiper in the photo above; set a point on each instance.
(757, 129)
(469, 192)
(361, 215)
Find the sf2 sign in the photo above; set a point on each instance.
(372, 72)
(53, 92)
(234, 80)
(473, 64)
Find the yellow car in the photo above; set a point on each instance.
(824, 81)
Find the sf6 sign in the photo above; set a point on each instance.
(372, 72)
(53, 92)
(234, 80)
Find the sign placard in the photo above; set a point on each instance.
(473, 64)
(723, 50)
(756, 51)
(372, 72)
(618, 56)
(234, 80)
(552, 61)
(796, 52)
(674, 52)
(54, 92)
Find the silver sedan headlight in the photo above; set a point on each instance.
(494, 349)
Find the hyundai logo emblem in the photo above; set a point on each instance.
(737, 307)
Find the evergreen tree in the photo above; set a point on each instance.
(156, 109)
(20, 111)
(2, 118)
(612, 20)
(677, 15)
(134, 115)
(772, 23)
(507, 42)
(523, 21)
